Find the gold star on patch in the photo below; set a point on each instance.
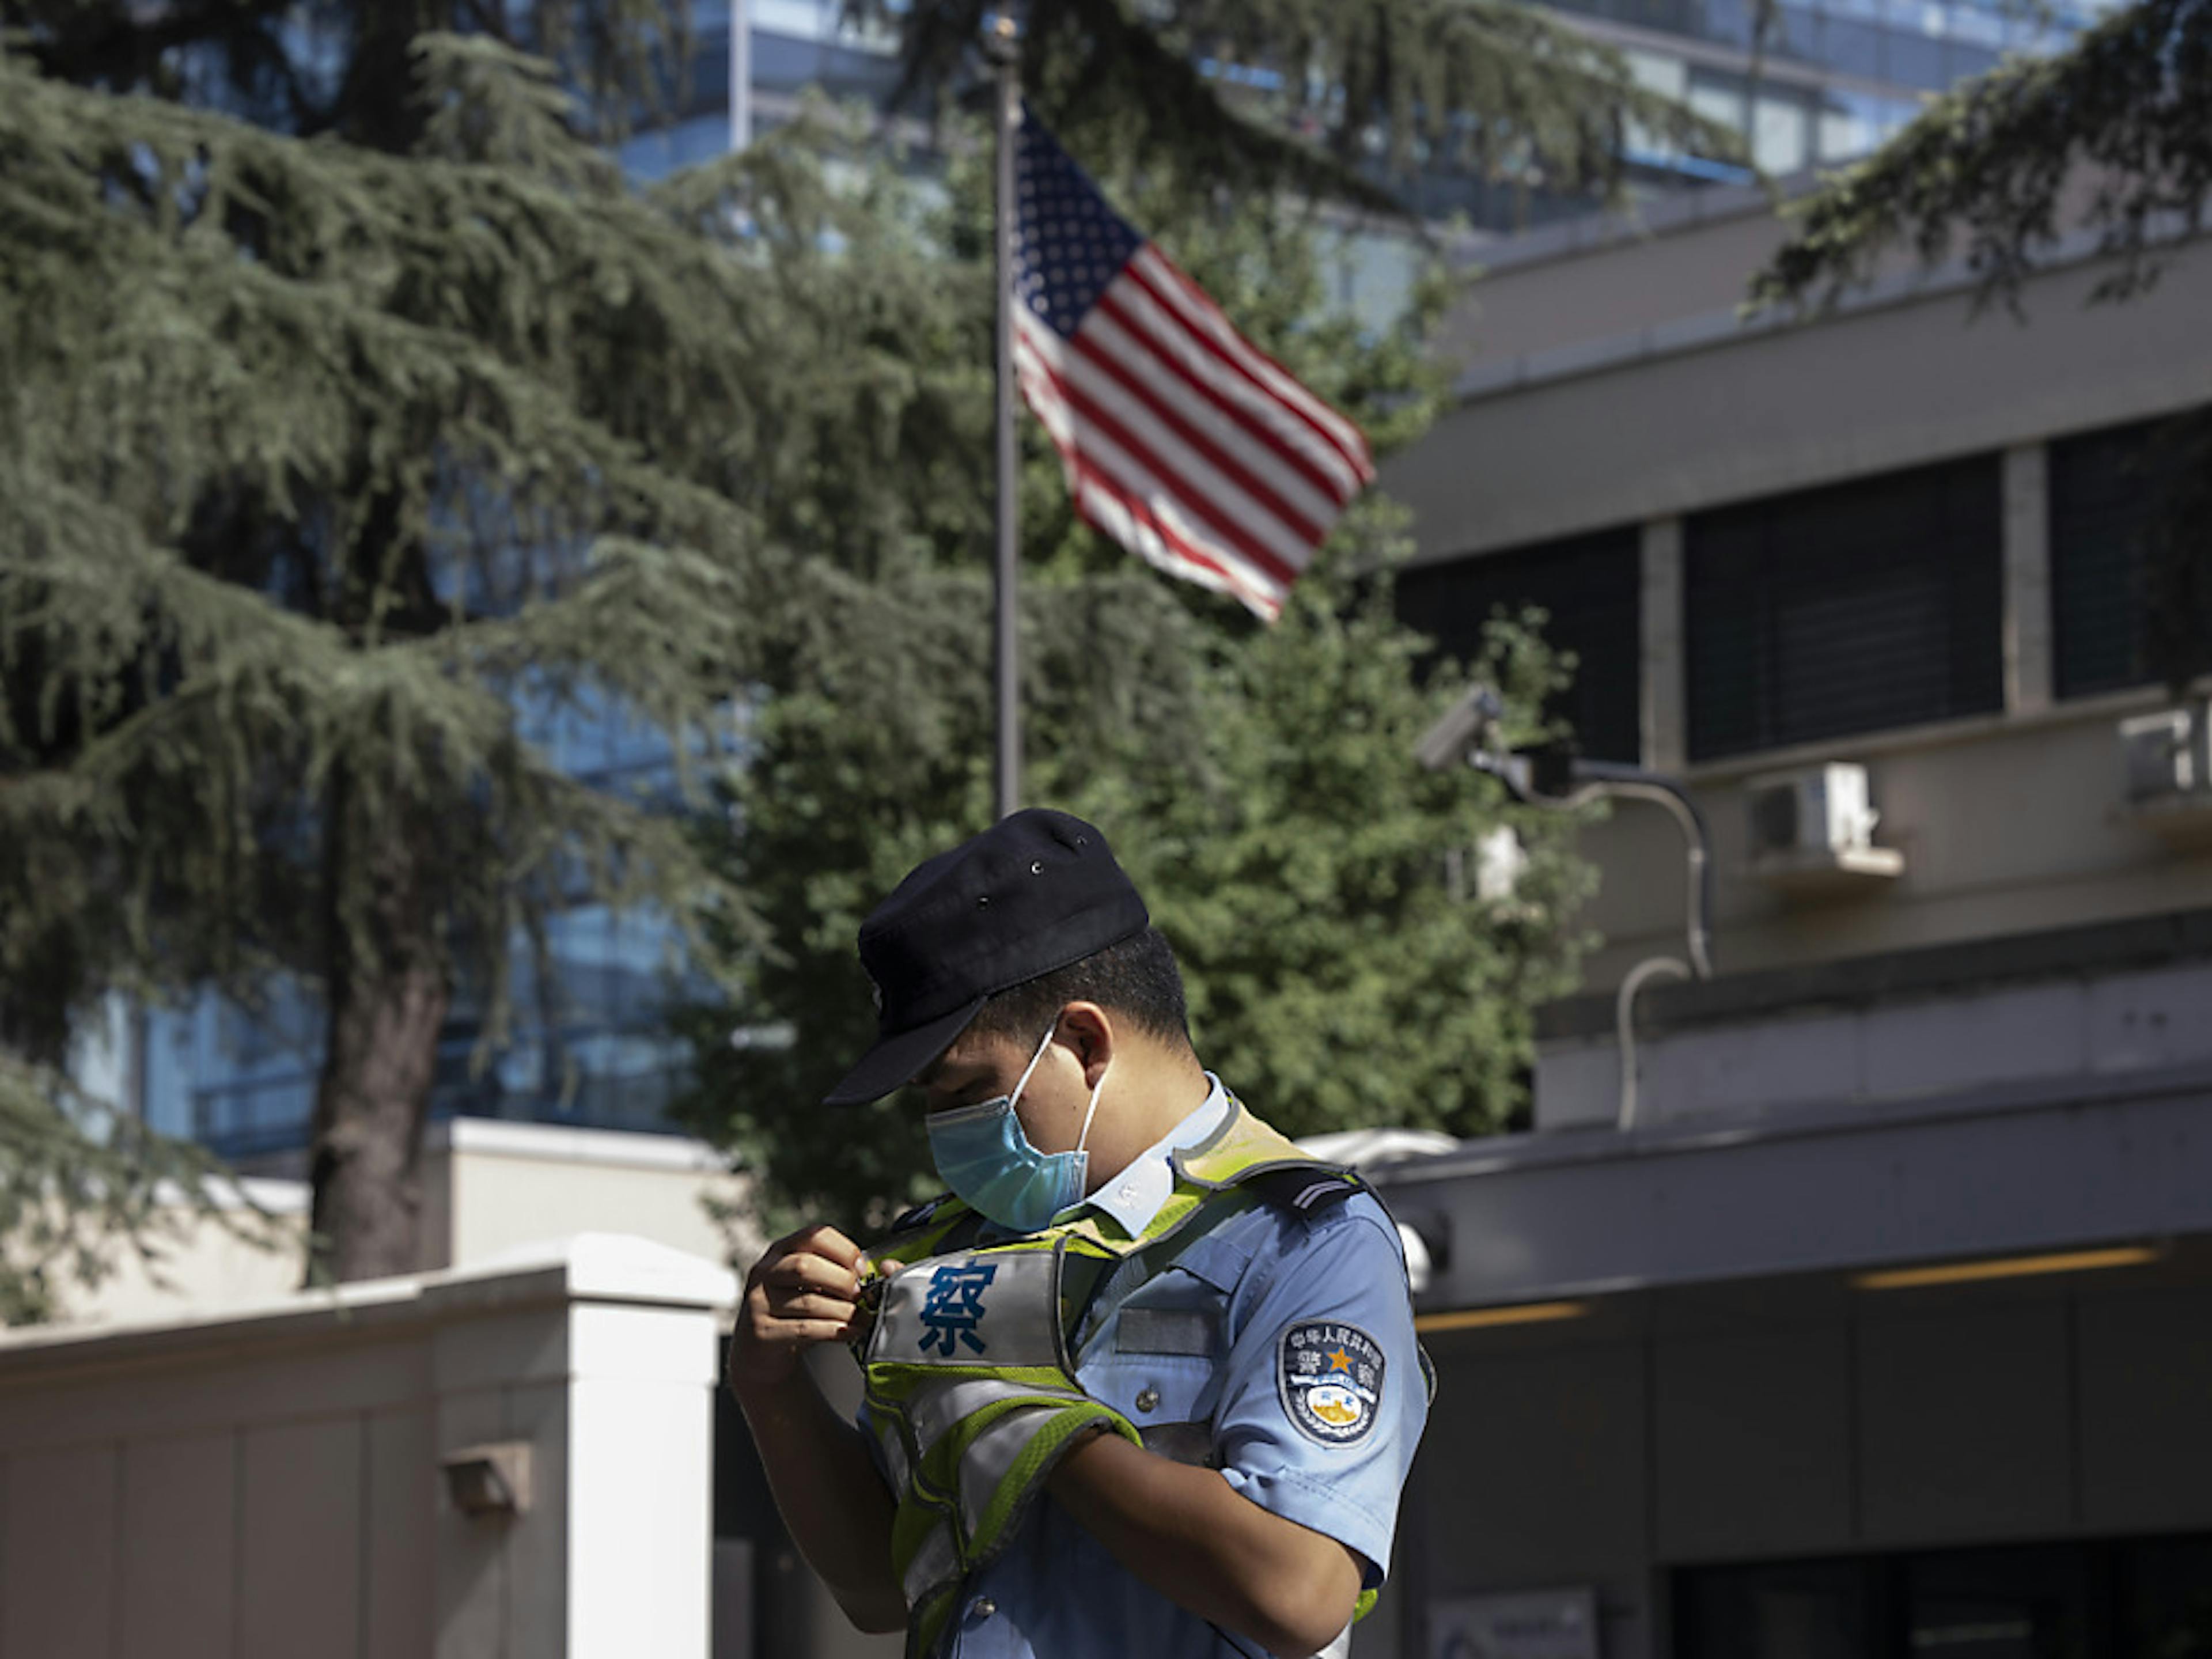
(1340, 1361)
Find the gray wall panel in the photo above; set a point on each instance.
(1752, 1443)
(1571, 1214)
(1966, 1425)
(1873, 390)
(57, 1565)
(2146, 1381)
(1537, 1463)
(176, 1561)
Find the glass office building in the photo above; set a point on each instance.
(586, 1038)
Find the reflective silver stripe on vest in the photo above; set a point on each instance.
(892, 1439)
(939, 1407)
(971, 1310)
(935, 1563)
(984, 1470)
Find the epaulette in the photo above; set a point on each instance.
(1307, 1189)
(919, 1216)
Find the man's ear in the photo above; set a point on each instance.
(1089, 1029)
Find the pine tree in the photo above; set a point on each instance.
(317, 467)
(1258, 782)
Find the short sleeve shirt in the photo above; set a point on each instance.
(1277, 1349)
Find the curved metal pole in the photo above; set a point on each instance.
(1473, 723)
(1623, 1026)
(1598, 779)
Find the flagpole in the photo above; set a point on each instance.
(1005, 61)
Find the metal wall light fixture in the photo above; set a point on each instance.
(1468, 733)
(489, 1480)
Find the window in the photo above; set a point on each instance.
(1870, 605)
(1718, 97)
(1852, 123)
(1806, 1610)
(1777, 135)
(2108, 489)
(1591, 589)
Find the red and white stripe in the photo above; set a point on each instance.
(1186, 443)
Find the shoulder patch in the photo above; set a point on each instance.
(1329, 1375)
(1309, 1190)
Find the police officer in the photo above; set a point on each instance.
(1200, 1450)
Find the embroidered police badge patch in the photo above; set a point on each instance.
(1330, 1378)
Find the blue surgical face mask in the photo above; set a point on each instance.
(984, 1155)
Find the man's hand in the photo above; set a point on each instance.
(804, 1291)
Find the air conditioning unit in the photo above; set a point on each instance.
(1811, 830)
(2164, 755)
(2166, 762)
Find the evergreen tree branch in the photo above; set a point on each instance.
(626, 56)
(84, 1185)
(2109, 136)
(1322, 96)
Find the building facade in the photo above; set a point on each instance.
(1856, 1301)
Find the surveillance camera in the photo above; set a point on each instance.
(1464, 727)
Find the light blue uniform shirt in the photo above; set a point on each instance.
(1242, 1333)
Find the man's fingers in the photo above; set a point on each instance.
(802, 1306)
(826, 1242)
(812, 1333)
(799, 1295)
(804, 1271)
(767, 1345)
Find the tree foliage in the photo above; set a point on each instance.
(327, 479)
(80, 1183)
(2111, 136)
(346, 69)
(1330, 95)
(1258, 782)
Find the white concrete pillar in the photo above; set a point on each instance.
(1665, 714)
(2028, 665)
(641, 1482)
(599, 1353)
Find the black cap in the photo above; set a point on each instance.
(1035, 892)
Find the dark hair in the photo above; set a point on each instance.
(1136, 977)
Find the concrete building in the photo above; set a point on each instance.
(1864, 1306)
(510, 1459)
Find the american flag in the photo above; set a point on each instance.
(1182, 441)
